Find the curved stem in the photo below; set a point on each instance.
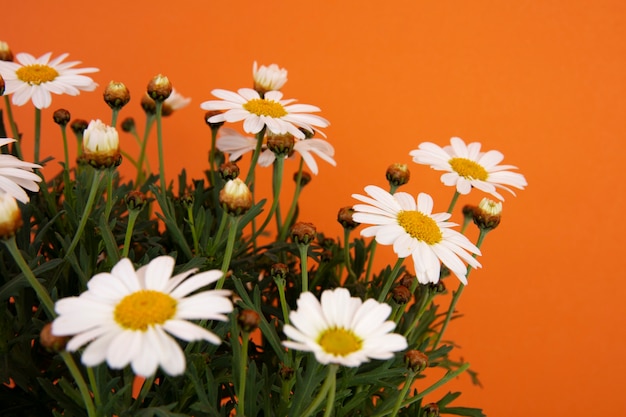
(228, 253)
(370, 261)
(277, 185)
(390, 280)
(402, 396)
(132, 217)
(328, 383)
(218, 236)
(66, 165)
(346, 253)
(192, 225)
(109, 203)
(83, 220)
(455, 197)
(280, 284)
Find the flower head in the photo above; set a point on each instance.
(127, 315)
(413, 230)
(468, 167)
(34, 79)
(279, 116)
(342, 329)
(15, 175)
(101, 145)
(268, 78)
(10, 216)
(236, 197)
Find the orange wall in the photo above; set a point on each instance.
(542, 81)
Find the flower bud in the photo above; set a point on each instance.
(344, 217)
(51, 342)
(5, 52)
(268, 78)
(101, 145)
(401, 294)
(488, 214)
(431, 410)
(438, 287)
(415, 360)
(286, 372)
(10, 216)
(135, 200)
(279, 271)
(207, 118)
(305, 178)
(61, 117)
(116, 95)
(235, 197)
(303, 233)
(159, 88)
(187, 200)
(128, 125)
(148, 105)
(398, 174)
(229, 171)
(280, 144)
(248, 320)
(407, 279)
(78, 126)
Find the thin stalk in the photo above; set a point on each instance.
(228, 253)
(455, 197)
(80, 382)
(346, 253)
(212, 167)
(144, 146)
(277, 185)
(110, 172)
(304, 269)
(280, 284)
(114, 117)
(330, 400)
(66, 166)
(444, 380)
(192, 225)
(14, 131)
(94, 387)
(218, 236)
(402, 396)
(37, 133)
(241, 392)
(294, 203)
(328, 383)
(390, 280)
(425, 303)
(255, 157)
(159, 110)
(370, 260)
(93, 191)
(132, 218)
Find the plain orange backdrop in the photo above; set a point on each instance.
(544, 82)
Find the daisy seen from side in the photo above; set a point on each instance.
(343, 330)
(279, 116)
(126, 315)
(17, 175)
(34, 79)
(268, 78)
(468, 167)
(411, 227)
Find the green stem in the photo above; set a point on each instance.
(142, 152)
(277, 185)
(212, 167)
(132, 217)
(41, 292)
(94, 387)
(93, 191)
(370, 260)
(66, 166)
(280, 283)
(241, 392)
(110, 172)
(294, 203)
(114, 117)
(37, 133)
(330, 400)
(402, 396)
(346, 253)
(159, 109)
(304, 269)
(228, 253)
(192, 225)
(328, 383)
(80, 382)
(14, 131)
(390, 280)
(425, 303)
(444, 380)
(455, 197)
(255, 157)
(218, 236)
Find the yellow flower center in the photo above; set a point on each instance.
(262, 107)
(144, 308)
(36, 74)
(340, 342)
(420, 226)
(468, 169)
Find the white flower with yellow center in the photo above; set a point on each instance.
(468, 167)
(413, 230)
(127, 315)
(268, 78)
(35, 78)
(342, 329)
(278, 115)
(236, 145)
(16, 175)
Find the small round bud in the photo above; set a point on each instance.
(248, 320)
(279, 271)
(407, 279)
(280, 144)
(148, 105)
(235, 197)
(2, 85)
(159, 88)
(344, 217)
(268, 78)
(101, 145)
(398, 174)
(51, 342)
(5, 52)
(10, 216)
(286, 372)
(78, 126)
(305, 178)
(431, 410)
(187, 200)
(135, 200)
(488, 214)
(303, 233)
(116, 95)
(61, 117)
(210, 114)
(401, 294)
(128, 125)
(229, 171)
(415, 360)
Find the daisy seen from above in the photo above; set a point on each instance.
(343, 330)
(35, 79)
(17, 175)
(126, 316)
(468, 167)
(236, 145)
(279, 116)
(414, 230)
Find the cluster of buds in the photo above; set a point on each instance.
(235, 197)
(101, 145)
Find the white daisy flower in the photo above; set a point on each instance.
(16, 175)
(127, 315)
(268, 78)
(413, 230)
(342, 329)
(468, 167)
(35, 78)
(236, 145)
(280, 116)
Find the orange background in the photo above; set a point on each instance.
(542, 81)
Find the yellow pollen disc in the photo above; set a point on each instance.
(262, 107)
(340, 342)
(36, 74)
(468, 169)
(144, 308)
(420, 226)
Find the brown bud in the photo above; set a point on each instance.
(401, 294)
(187, 200)
(128, 125)
(279, 271)
(248, 320)
(431, 410)
(303, 233)
(159, 88)
(229, 171)
(407, 279)
(78, 126)
(5, 52)
(211, 113)
(398, 174)
(135, 200)
(116, 95)
(488, 214)
(148, 105)
(235, 197)
(286, 372)
(305, 178)
(61, 117)
(280, 144)
(415, 360)
(51, 342)
(344, 217)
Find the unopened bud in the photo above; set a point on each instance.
(286, 372)
(415, 360)
(5, 52)
(401, 294)
(235, 197)
(51, 342)
(431, 410)
(116, 95)
(101, 145)
(279, 271)
(439, 287)
(407, 279)
(398, 174)
(135, 200)
(280, 144)
(78, 126)
(211, 113)
(10, 216)
(344, 217)
(303, 233)
(61, 117)
(148, 105)
(488, 214)
(229, 171)
(248, 320)
(159, 88)
(187, 200)
(268, 78)
(305, 178)
(128, 125)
